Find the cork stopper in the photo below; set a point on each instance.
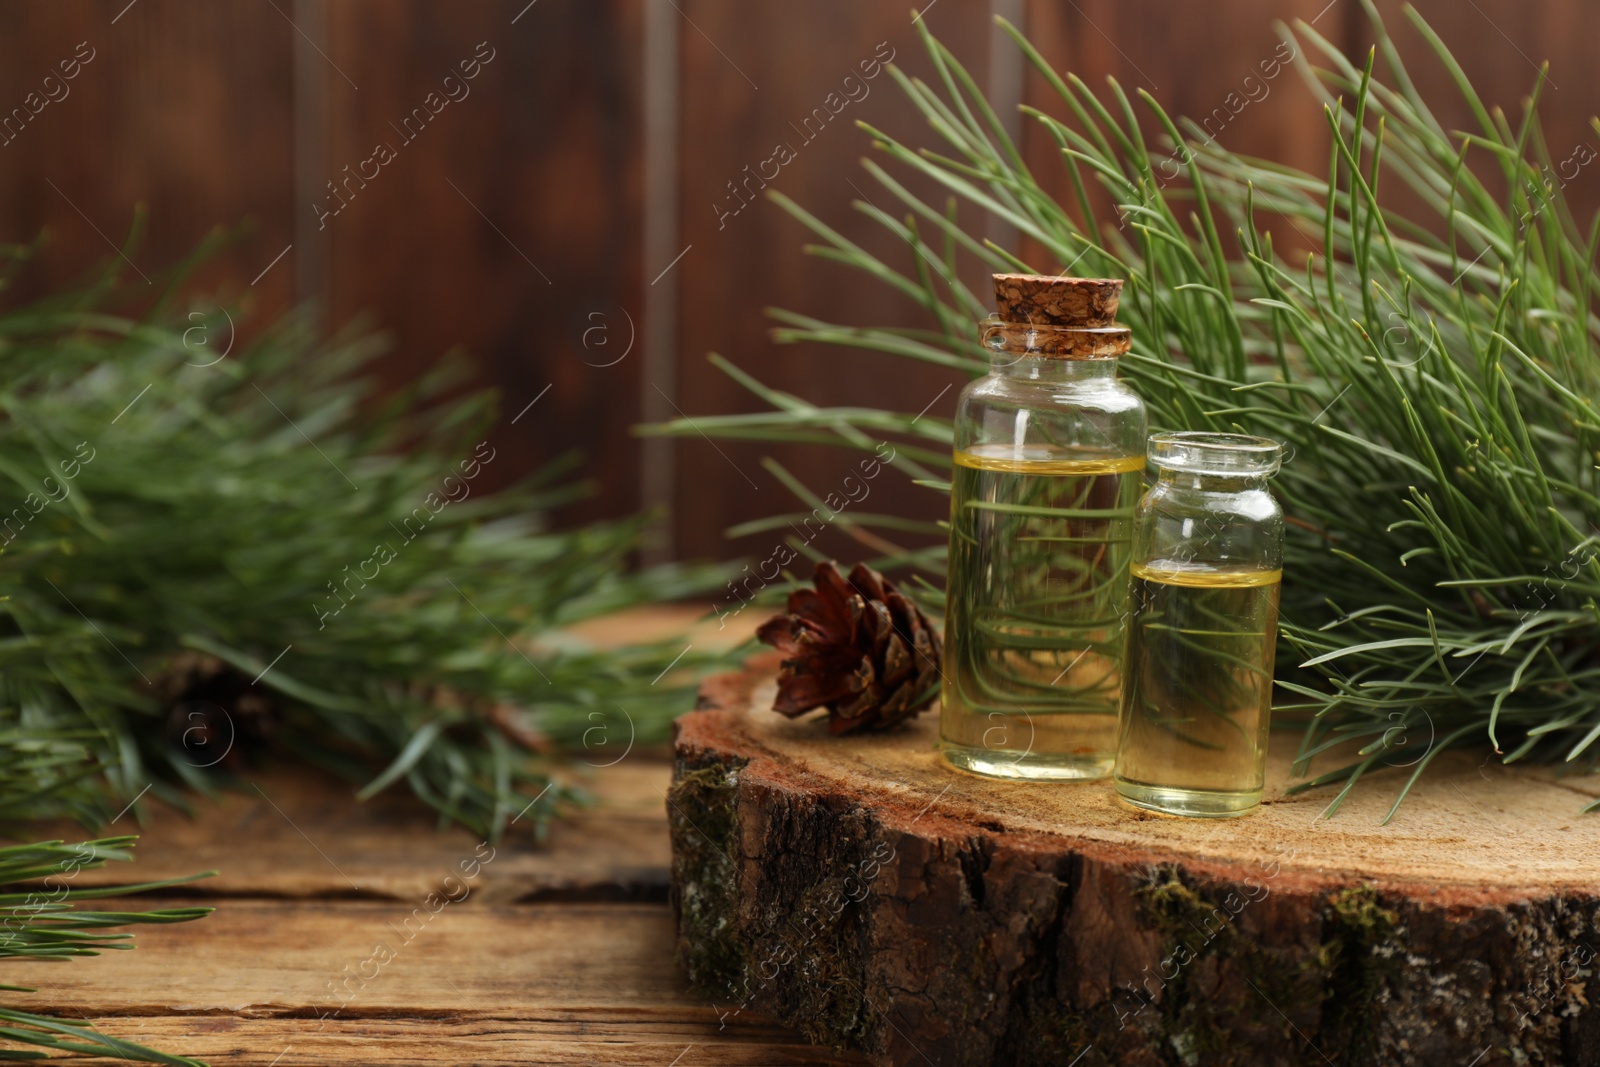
(1057, 318)
(1046, 300)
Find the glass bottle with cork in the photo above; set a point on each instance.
(1049, 461)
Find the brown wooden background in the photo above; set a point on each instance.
(586, 160)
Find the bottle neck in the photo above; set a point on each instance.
(1209, 483)
(1046, 369)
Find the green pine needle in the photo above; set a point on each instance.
(39, 920)
(271, 509)
(1434, 373)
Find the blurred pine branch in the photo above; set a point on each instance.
(269, 527)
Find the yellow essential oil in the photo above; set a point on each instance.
(1036, 623)
(1199, 687)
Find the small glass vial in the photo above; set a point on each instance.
(1207, 566)
(1049, 462)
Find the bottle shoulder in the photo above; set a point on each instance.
(1222, 530)
(1098, 416)
(1099, 394)
(1255, 504)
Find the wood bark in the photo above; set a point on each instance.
(865, 893)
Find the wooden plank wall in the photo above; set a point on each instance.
(798, 55)
(167, 109)
(512, 223)
(509, 218)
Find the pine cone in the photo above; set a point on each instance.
(216, 716)
(859, 648)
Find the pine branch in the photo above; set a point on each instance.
(269, 522)
(1434, 374)
(39, 920)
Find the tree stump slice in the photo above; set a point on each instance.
(868, 894)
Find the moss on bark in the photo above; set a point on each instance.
(702, 816)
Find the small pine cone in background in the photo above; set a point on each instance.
(217, 717)
(858, 647)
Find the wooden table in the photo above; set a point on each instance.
(560, 953)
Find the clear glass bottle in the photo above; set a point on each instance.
(1207, 566)
(1049, 461)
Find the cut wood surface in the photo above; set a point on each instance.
(865, 892)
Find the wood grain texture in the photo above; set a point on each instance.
(1225, 69)
(297, 834)
(477, 983)
(184, 109)
(869, 894)
(507, 222)
(190, 110)
(1500, 45)
(593, 1041)
(350, 931)
(746, 258)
